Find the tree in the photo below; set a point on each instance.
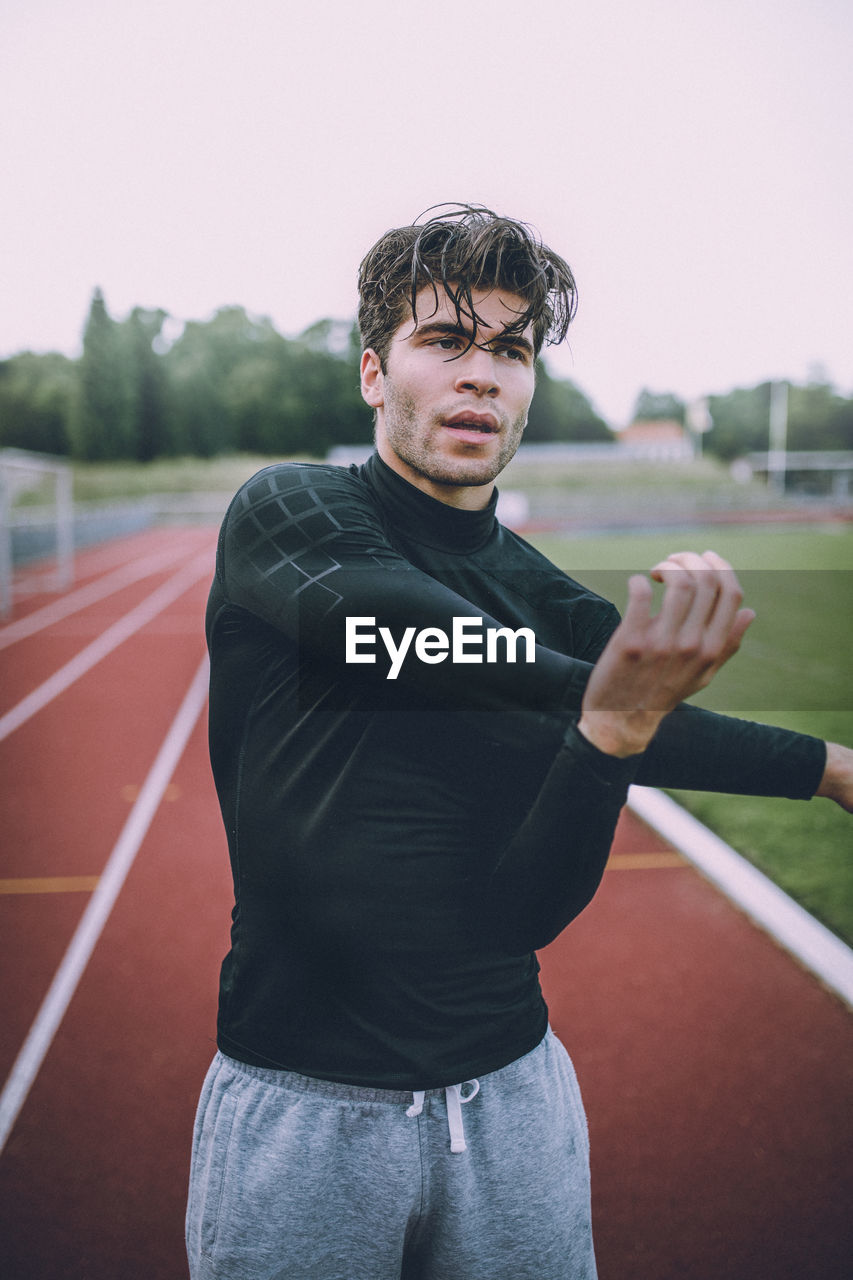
(35, 401)
(261, 402)
(561, 411)
(740, 420)
(99, 423)
(149, 425)
(238, 384)
(658, 406)
(819, 418)
(199, 366)
(328, 386)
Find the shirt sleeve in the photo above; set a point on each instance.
(699, 750)
(552, 866)
(303, 548)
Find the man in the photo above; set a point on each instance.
(422, 734)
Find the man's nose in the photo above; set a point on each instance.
(478, 372)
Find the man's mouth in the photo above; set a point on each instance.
(474, 425)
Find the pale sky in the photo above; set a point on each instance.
(692, 159)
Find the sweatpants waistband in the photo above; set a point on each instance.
(455, 1095)
(335, 1089)
(293, 1080)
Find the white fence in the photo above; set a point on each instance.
(21, 471)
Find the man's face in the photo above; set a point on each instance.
(451, 425)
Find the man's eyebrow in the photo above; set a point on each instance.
(442, 327)
(446, 328)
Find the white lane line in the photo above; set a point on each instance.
(100, 905)
(816, 947)
(105, 643)
(90, 594)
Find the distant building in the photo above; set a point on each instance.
(662, 438)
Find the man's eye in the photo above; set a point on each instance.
(447, 344)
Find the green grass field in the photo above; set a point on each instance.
(108, 480)
(794, 669)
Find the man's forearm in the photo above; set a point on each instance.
(698, 750)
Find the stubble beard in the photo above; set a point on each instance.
(415, 447)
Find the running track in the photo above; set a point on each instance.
(717, 1075)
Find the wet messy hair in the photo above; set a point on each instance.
(465, 248)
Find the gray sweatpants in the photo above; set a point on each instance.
(301, 1179)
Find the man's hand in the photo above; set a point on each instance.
(837, 780)
(652, 663)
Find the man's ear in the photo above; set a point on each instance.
(372, 379)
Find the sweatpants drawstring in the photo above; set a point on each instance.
(453, 1094)
(455, 1101)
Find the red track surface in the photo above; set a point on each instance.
(717, 1075)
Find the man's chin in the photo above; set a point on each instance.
(468, 470)
(450, 469)
(464, 476)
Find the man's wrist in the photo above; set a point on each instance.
(837, 781)
(617, 735)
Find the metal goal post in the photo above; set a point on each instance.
(20, 471)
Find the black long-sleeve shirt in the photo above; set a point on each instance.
(400, 847)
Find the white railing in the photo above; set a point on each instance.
(20, 470)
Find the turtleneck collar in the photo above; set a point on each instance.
(424, 519)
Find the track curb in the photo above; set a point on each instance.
(768, 906)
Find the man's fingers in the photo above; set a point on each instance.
(651, 663)
(743, 619)
(700, 621)
(729, 646)
(716, 561)
(638, 608)
(724, 632)
(678, 560)
(638, 612)
(690, 560)
(688, 601)
(700, 604)
(688, 604)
